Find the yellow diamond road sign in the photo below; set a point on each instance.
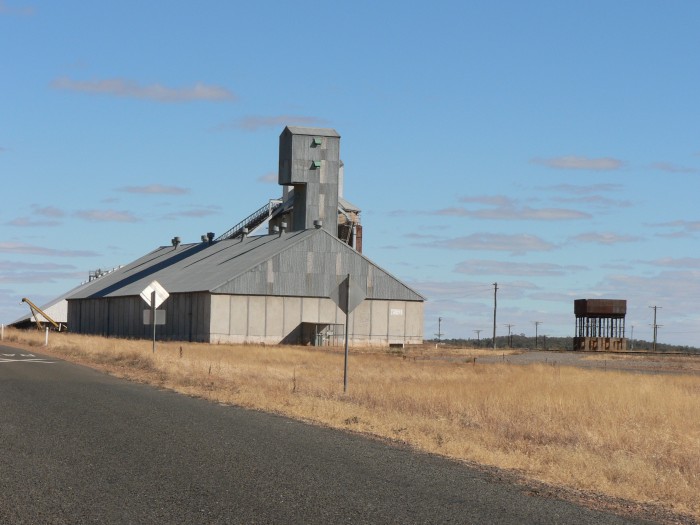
(161, 294)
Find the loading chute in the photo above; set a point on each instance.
(36, 312)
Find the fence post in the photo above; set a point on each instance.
(46, 339)
(2, 332)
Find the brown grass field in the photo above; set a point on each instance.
(601, 435)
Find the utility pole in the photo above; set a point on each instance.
(495, 289)
(656, 326)
(439, 332)
(478, 341)
(510, 337)
(537, 323)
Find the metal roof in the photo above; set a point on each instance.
(242, 266)
(321, 132)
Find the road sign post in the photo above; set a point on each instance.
(153, 318)
(347, 331)
(347, 296)
(154, 295)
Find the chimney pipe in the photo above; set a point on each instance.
(175, 241)
(318, 224)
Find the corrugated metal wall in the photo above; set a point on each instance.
(309, 159)
(186, 317)
(274, 320)
(303, 271)
(201, 317)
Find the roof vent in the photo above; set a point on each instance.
(175, 241)
(283, 227)
(318, 224)
(210, 237)
(275, 229)
(204, 238)
(244, 232)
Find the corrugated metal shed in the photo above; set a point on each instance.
(304, 263)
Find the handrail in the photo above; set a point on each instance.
(254, 219)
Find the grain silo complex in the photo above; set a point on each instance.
(271, 288)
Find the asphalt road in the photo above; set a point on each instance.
(78, 446)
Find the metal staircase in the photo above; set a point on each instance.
(253, 221)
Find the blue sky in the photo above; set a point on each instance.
(551, 147)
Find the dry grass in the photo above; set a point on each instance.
(630, 436)
(667, 362)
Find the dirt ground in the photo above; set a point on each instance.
(647, 363)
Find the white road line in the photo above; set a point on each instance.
(3, 360)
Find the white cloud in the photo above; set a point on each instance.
(598, 201)
(597, 195)
(270, 177)
(490, 267)
(24, 277)
(575, 189)
(19, 11)
(669, 167)
(256, 122)
(517, 214)
(106, 216)
(500, 201)
(573, 162)
(603, 238)
(28, 222)
(28, 249)
(49, 211)
(506, 208)
(14, 265)
(684, 262)
(155, 189)
(128, 89)
(676, 291)
(556, 297)
(515, 244)
(452, 289)
(204, 211)
(683, 228)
